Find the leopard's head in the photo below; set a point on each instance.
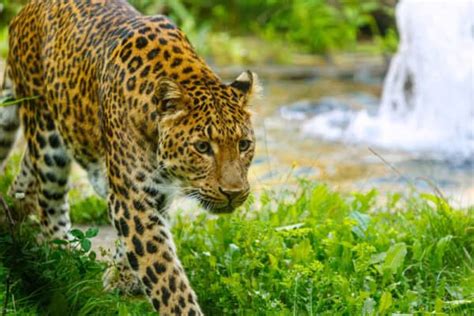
(206, 139)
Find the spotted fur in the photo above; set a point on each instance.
(127, 97)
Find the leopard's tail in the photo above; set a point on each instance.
(9, 119)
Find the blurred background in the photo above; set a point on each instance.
(330, 110)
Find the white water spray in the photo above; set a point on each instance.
(428, 96)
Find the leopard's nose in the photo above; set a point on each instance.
(232, 194)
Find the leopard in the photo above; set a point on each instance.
(127, 97)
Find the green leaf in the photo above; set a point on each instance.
(123, 310)
(362, 220)
(86, 245)
(302, 251)
(377, 258)
(441, 247)
(92, 232)
(417, 250)
(77, 233)
(439, 305)
(10, 101)
(6, 99)
(395, 257)
(385, 302)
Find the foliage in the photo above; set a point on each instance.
(57, 278)
(317, 26)
(90, 210)
(8, 9)
(303, 252)
(321, 252)
(7, 175)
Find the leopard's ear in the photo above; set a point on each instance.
(248, 85)
(168, 97)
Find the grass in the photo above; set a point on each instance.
(90, 210)
(307, 251)
(320, 252)
(49, 280)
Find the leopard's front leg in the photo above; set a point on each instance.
(152, 256)
(136, 207)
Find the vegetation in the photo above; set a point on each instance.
(300, 252)
(304, 251)
(318, 26)
(89, 210)
(60, 278)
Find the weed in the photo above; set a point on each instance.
(314, 251)
(344, 256)
(57, 278)
(90, 210)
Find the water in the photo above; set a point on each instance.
(285, 152)
(427, 105)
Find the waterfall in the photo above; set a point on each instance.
(427, 103)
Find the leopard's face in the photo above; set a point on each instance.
(207, 146)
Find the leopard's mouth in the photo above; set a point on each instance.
(217, 209)
(214, 205)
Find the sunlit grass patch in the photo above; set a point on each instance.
(328, 253)
(8, 174)
(90, 210)
(303, 252)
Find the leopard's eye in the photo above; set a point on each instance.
(203, 147)
(244, 145)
